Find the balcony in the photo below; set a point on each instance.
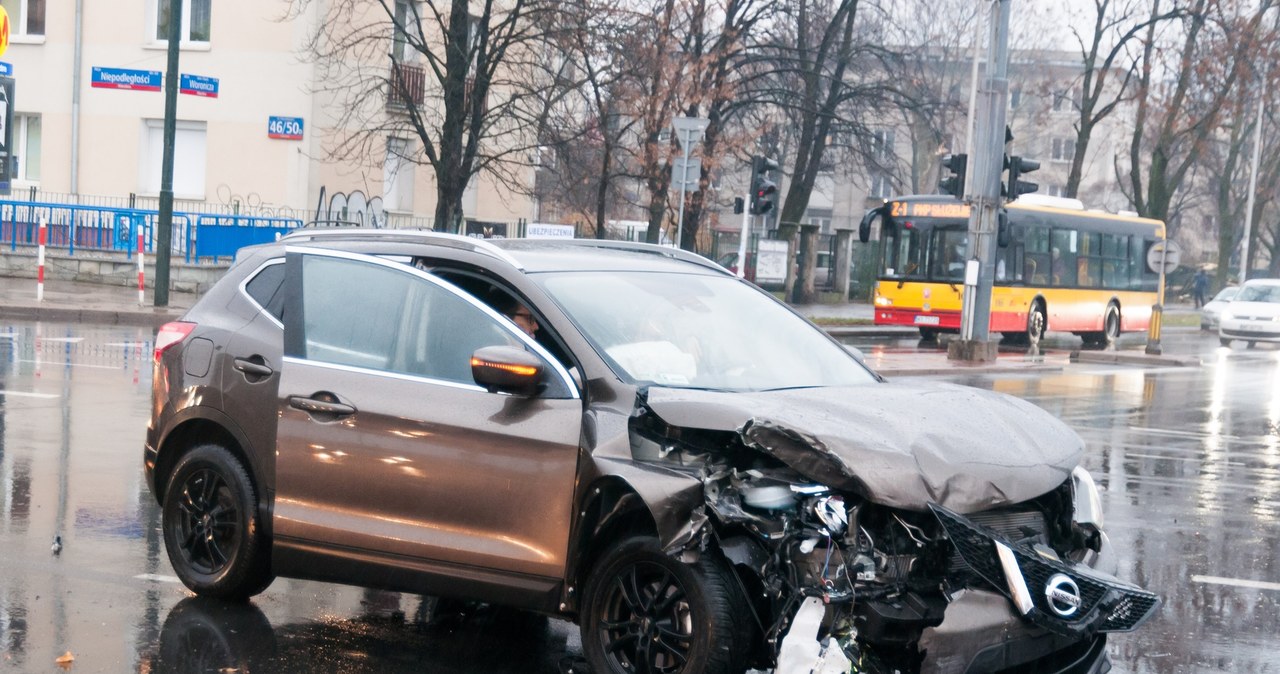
(406, 86)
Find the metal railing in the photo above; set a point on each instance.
(115, 229)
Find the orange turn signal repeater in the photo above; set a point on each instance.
(522, 370)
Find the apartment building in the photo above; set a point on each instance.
(254, 131)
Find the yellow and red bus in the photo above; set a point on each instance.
(1063, 268)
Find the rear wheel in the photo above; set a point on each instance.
(648, 613)
(1110, 329)
(211, 527)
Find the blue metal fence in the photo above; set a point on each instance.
(104, 228)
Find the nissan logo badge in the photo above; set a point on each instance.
(1063, 595)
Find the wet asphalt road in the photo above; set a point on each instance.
(1189, 459)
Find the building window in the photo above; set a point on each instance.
(1056, 190)
(881, 186)
(882, 145)
(401, 51)
(1067, 100)
(397, 177)
(195, 20)
(26, 147)
(26, 17)
(1015, 98)
(1064, 149)
(189, 149)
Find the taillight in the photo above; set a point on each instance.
(171, 334)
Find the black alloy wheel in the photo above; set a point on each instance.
(210, 525)
(648, 613)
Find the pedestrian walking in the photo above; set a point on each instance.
(1201, 287)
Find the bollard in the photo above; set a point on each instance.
(141, 248)
(42, 239)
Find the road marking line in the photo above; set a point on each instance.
(157, 578)
(28, 394)
(1237, 582)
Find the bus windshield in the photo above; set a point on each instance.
(923, 249)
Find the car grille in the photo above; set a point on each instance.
(1106, 604)
(1011, 525)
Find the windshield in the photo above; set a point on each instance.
(1259, 293)
(695, 331)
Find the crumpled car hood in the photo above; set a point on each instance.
(902, 445)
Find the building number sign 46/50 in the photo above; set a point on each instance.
(284, 128)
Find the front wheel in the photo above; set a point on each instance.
(1224, 341)
(211, 527)
(645, 612)
(1037, 324)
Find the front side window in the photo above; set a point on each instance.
(196, 20)
(697, 331)
(26, 17)
(370, 316)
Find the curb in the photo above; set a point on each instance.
(154, 318)
(1124, 358)
(869, 331)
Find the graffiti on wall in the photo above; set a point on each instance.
(349, 208)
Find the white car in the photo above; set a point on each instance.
(1211, 312)
(1254, 315)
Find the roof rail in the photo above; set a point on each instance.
(409, 235)
(652, 249)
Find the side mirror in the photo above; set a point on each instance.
(506, 369)
(864, 227)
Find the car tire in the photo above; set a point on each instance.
(211, 528)
(1225, 341)
(1037, 323)
(1250, 345)
(645, 611)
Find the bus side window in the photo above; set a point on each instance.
(1062, 258)
(1137, 261)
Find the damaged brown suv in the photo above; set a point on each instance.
(699, 477)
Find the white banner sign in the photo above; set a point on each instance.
(536, 230)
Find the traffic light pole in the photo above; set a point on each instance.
(746, 233)
(985, 165)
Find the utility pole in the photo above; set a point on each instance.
(984, 198)
(164, 224)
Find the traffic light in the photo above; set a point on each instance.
(764, 192)
(958, 164)
(1017, 167)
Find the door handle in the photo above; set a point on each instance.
(316, 406)
(252, 368)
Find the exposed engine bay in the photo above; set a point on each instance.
(883, 577)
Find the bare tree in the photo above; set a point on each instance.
(1108, 69)
(466, 79)
(810, 54)
(1183, 85)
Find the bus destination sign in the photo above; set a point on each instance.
(911, 209)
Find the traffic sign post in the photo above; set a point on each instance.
(1163, 257)
(689, 131)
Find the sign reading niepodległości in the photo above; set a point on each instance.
(126, 78)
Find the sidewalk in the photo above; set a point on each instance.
(73, 302)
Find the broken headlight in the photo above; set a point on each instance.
(1086, 503)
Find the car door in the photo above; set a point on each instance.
(385, 443)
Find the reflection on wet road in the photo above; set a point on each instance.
(1189, 459)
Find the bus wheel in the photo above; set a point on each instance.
(1037, 324)
(1111, 325)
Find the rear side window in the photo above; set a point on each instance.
(266, 289)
